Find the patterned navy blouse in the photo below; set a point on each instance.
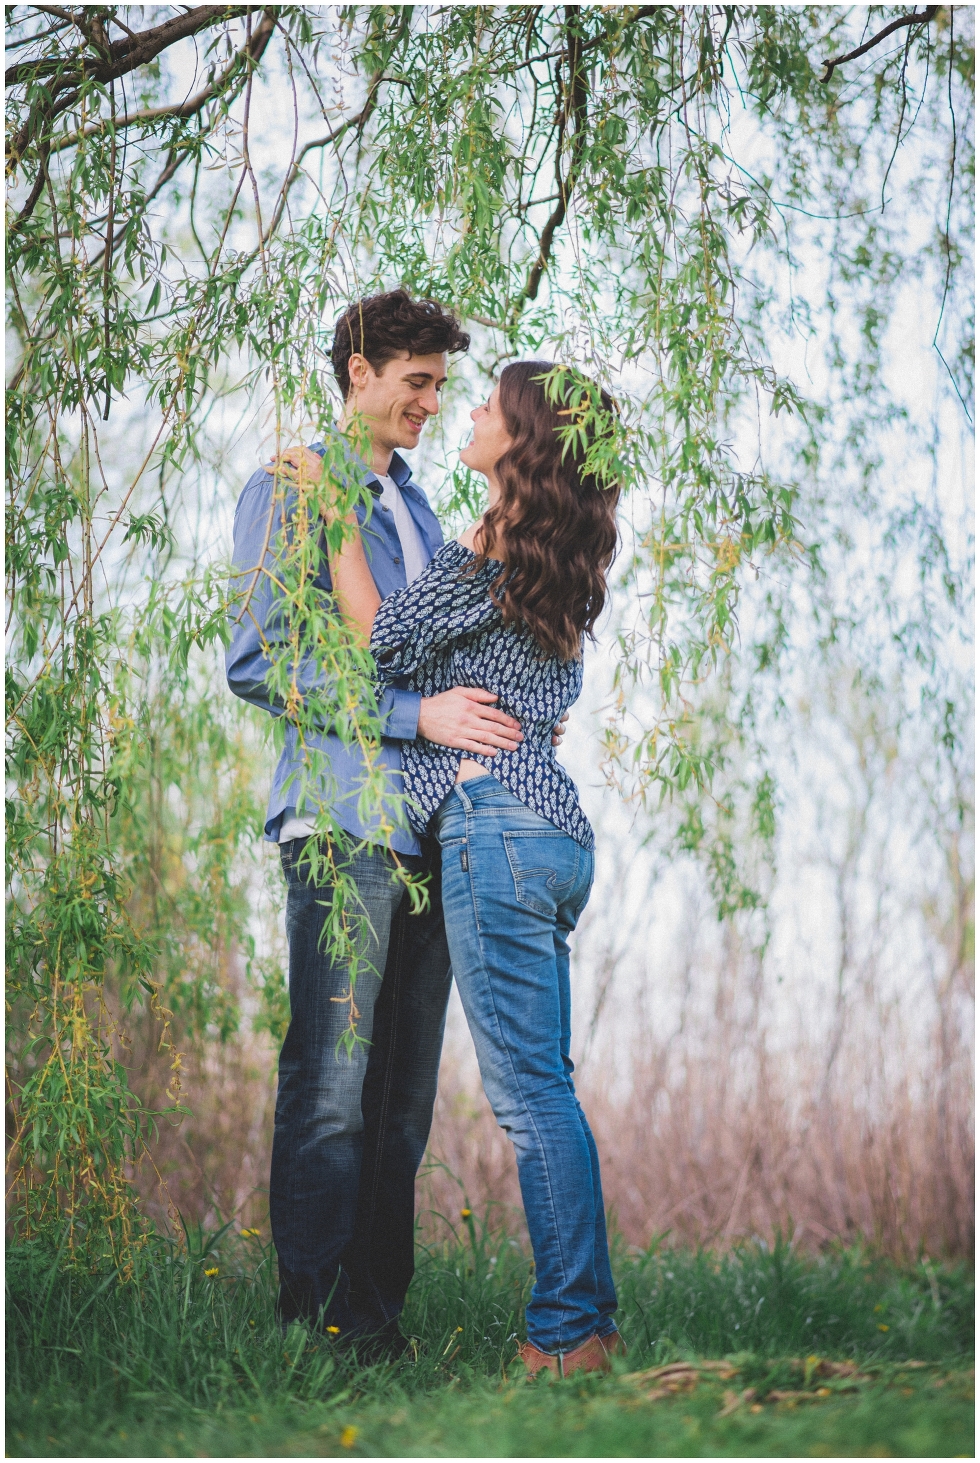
(445, 631)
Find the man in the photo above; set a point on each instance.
(350, 1132)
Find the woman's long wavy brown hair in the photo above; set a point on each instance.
(554, 525)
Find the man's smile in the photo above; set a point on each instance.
(416, 421)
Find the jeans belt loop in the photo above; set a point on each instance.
(464, 799)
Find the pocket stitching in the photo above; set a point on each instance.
(519, 875)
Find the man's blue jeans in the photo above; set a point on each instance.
(513, 888)
(350, 1132)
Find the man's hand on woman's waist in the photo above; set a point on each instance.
(466, 718)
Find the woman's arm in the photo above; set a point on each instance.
(357, 594)
(354, 587)
(445, 603)
(438, 607)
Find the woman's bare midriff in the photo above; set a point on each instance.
(468, 769)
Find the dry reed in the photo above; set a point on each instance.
(704, 1144)
(684, 1155)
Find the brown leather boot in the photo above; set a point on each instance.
(536, 1361)
(592, 1356)
(589, 1357)
(613, 1344)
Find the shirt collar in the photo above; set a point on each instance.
(399, 470)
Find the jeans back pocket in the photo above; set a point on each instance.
(544, 865)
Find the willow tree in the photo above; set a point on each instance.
(192, 185)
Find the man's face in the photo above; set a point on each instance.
(397, 401)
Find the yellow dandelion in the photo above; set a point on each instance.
(348, 1437)
(212, 1272)
(465, 1213)
(248, 1233)
(884, 1328)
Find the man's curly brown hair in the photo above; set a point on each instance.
(380, 327)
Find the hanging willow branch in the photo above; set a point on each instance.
(564, 175)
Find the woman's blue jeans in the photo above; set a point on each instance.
(513, 887)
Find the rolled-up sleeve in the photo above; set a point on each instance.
(399, 712)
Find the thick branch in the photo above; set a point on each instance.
(530, 290)
(36, 191)
(118, 59)
(60, 11)
(124, 56)
(253, 49)
(41, 118)
(44, 111)
(38, 36)
(920, 17)
(138, 51)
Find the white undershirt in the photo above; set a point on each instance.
(415, 560)
(413, 551)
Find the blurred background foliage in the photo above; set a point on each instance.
(768, 258)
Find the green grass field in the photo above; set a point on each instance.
(190, 1363)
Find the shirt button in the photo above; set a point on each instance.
(396, 560)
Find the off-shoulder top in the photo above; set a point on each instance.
(444, 630)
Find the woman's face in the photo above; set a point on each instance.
(490, 437)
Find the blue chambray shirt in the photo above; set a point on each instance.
(246, 663)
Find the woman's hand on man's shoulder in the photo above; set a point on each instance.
(303, 466)
(299, 465)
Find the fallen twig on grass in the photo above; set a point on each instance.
(678, 1376)
(661, 1382)
(724, 1369)
(813, 1366)
(734, 1400)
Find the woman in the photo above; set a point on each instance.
(506, 607)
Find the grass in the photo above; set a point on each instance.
(187, 1363)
